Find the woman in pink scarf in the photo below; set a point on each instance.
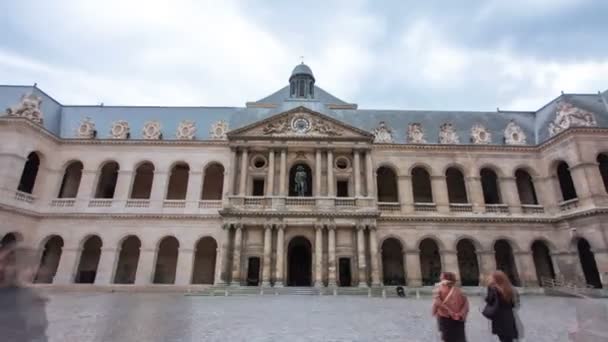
(451, 307)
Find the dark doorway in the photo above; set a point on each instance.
(30, 171)
(592, 276)
(89, 260)
(299, 260)
(393, 272)
(542, 261)
(467, 263)
(430, 262)
(344, 272)
(302, 186)
(253, 271)
(342, 188)
(505, 261)
(258, 187)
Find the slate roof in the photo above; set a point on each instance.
(63, 120)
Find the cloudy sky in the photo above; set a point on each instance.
(475, 55)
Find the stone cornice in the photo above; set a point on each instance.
(281, 214)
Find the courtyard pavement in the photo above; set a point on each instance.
(172, 317)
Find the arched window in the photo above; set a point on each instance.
(505, 261)
(457, 191)
(588, 263)
(467, 263)
(178, 182)
(30, 171)
(430, 262)
(566, 184)
(142, 182)
(393, 271)
(602, 161)
(386, 181)
(421, 186)
(89, 260)
(542, 261)
(71, 180)
(166, 261)
(126, 267)
(525, 187)
(203, 271)
(489, 183)
(300, 180)
(213, 182)
(49, 260)
(106, 185)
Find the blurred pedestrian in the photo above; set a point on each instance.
(22, 313)
(450, 306)
(501, 299)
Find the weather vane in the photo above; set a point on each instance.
(302, 59)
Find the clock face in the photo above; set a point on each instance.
(300, 125)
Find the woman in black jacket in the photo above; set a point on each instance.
(500, 301)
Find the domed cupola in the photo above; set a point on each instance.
(302, 82)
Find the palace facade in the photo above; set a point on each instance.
(303, 189)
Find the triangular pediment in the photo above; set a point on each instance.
(300, 123)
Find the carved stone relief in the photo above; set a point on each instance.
(480, 134)
(218, 130)
(120, 130)
(567, 115)
(514, 135)
(415, 134)
(151, 130)
(86, 129)
(447, 134)
(301, 124)
(28, 107)
(186, 130)
(383, 133)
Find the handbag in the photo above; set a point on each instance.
(489, 311)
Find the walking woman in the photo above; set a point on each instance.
(451, 307)
(500, 301)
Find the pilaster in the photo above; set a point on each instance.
(369, 174)
(270, 183)
(145, 266)
(318, 255)
(159, 189)
(450, 263)
(244, 169)
(185, 264)
(374, 256)
(267, 256)
(476, 194)
(66, 270)
(357, 172)
(412, 262)
(278, 282)
(86, 190)
(331, 182)
(106, 266)
(362, 269)
(195, 188)
(406, 195)
(331, 259)
(487, 265)
(236, 255)
(526, 268)
(440, 193)
(508, 187)
(123, 185)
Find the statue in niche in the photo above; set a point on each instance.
(300, 184)
(300, 181)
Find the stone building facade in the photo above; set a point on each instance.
(303, 189)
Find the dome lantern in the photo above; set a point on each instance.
(302, 82)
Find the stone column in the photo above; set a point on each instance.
(217, 276)
(357, 172)
(87, 188)
(412, 262)
(267, 256)
(106, 266)
(66, 271)
(601, 258)
(123, 187)
(236, 255)
(373, 247)
(225, 270)
(270, 183)
(450, 263)
(362, 269)
(331, 186)
(229, 172)
(145, 266)
(185, 264)
(526, 269)
(406, 196)
(583, 186)
(11, 170)
(51, 186)
(439, 188)
(331, 259)
(194, 190)
(283, 173)
(545, 193)
(159, 189)
(244, 167)
(318, 255)
(508, 188)
(487, 265)
(278, 282)
(476, 194)
(318, 173)
(369, 174)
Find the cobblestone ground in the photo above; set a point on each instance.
(170, 317)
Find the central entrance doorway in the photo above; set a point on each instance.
(344, 272)
(299, 262)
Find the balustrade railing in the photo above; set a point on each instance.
(209, 204)
(532, 209)
(24, 197)
(427, 207)
(345, 202)
(497, 208)
(461, 207)
(137, 203)
(63, 202)
(568, 205)
(300, 201)
(174, 204)
(100, 202)
(389, 206)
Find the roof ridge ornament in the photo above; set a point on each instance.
(28, 107)
(447, 134)
(120, 130)
(152, 131)
(480, 134)
(218, 130)
(86, 129)
(186, 130)
(382, 134)
(415, 133)
(514, 134)
(567, 115)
